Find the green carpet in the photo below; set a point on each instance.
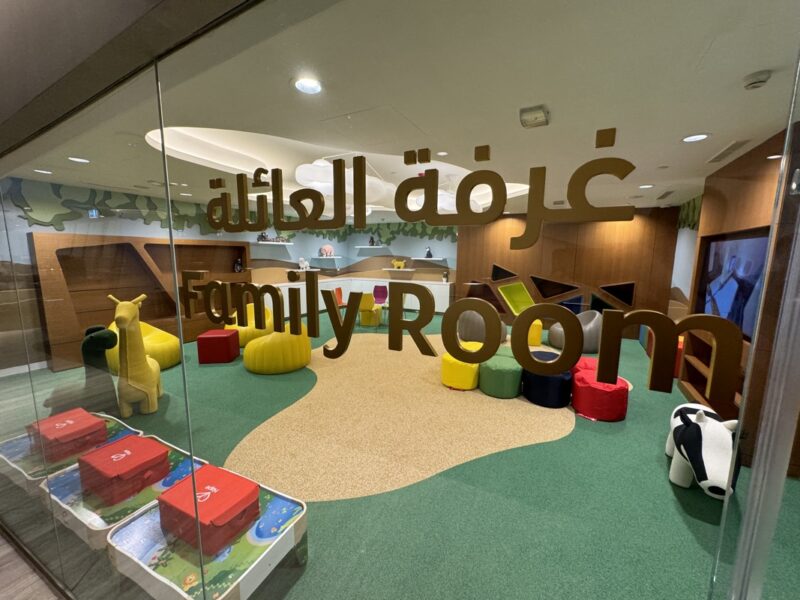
(591, 516)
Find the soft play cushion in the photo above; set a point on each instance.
(278, 352)
(500, 376)
(599, 401)
(460, 375)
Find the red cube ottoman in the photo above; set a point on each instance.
(123, 468)
(217, 346)
(227, 504)
(67, 434)
(599, 401)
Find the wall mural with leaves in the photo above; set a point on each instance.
(386, 233)
(689, 216)
(52, 205)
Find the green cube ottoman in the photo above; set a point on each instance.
(500, 376)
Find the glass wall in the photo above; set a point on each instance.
(308, 197)
(91, 353)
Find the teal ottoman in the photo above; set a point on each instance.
(500, 376)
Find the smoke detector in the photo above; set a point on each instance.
(534, 116)
(757, 80)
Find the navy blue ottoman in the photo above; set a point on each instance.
(550, 391)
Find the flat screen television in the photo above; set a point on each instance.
(732, 277)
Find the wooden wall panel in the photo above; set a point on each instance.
(741, 196)
(77, 272)
(587, 254)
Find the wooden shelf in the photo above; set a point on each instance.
(698, 364)
(696, 371)
(692, 393)
(393, 269)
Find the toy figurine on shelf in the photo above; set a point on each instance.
(445, 276)
(262, 237)
(371, 241)
(428, 253)
(238, 267)
(303, 264)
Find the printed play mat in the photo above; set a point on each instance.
(26, 467)
(169, 568)
(89, 517)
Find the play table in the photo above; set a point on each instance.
(88, 517)
(169, 569)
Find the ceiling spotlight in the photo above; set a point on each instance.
(646, 186)
(185, 194)
(77, 159)
(184, 185)
(43, 171)
(442, 153)
(308, 86)
(695, 137)
(773, 157)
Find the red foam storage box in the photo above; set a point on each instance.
(67, 434)
(227, 504)
(599, 401)
(217, 346)
(123, 468)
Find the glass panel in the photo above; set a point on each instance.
(758, 549)
(388, 456)
(98, 374)
(636, 156)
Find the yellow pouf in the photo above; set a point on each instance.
(249, 333)
(278, 352)
(535, 333)
(460, 375)
(369, 313)
(159, 345)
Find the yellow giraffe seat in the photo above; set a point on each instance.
(164, 347)
(139, 380)
(249, 333)
(278, 352)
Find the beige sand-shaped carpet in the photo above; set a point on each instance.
(378, 420)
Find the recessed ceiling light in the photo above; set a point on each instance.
(43, 171)
(78, 159)
(185, 194)
(184, 185)
(308, 85)
(173, 183)
(645, 186)
(695, 137)
(774, 156)
(441, 153)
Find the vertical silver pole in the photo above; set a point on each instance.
(178, 317)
